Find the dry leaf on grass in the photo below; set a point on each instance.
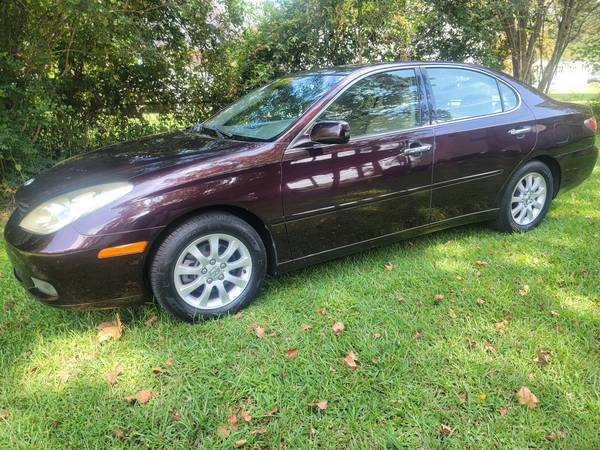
(552, 436)
(480, 301)
(471, 343)
(112, 374)
(503, 410)
(142, 397)
(232, 420)
(175, 415)
(481, 263)
(246, 416)
(350, 360)
(110, 330)
(260, 430)
(240, 443)
(320, 310)
(225, 430)
(151, 321)
(482, 395)
(526, 397)
(4, 414)
(452, 314)
(501, 325)
(376, 335)
(260, 331)
(438, 297)
(169, 361)
(156, 371)
(489, 347)
(446, 430)
(389, 265)
(524, 290)
(554, 313)
(291, 353)
(306, 326)
(322, 405)
(542, 358)
(338, 327)
(274, 410)
(418, 334)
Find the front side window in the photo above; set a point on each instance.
(380, 103)
(461, 93)
(266, 112)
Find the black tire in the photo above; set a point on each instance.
(505, 221)
(165, 259)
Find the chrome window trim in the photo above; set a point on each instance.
(291, 149)
(475, 69)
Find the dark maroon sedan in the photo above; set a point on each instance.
(310, 167)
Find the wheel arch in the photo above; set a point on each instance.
(554, 167)
(251, 219)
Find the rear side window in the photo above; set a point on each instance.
(380, 103)
(509, 98)
(462, 93)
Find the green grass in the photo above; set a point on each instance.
(52, 368)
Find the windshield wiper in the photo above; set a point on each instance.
(198, 127)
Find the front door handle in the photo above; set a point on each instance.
(520, 130)
(417, 148)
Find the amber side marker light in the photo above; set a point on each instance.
(591, 124)
(120, 250)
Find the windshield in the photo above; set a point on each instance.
(265, 113)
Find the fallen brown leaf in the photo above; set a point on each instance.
(446, 430)
(376, 335)
(175, 415)
(452, 313)
(169, 361)
(112, 374)
(142, 397)
(350, 360)
(480, 301)
(151, 321)
(338, 327)
(418, 334)
(471, 343)
(481, 263)
(320, 310)
(552, 436)
(306, 326)
(401, 298)
(526, 397)
(478, 274)
(119, 432)
(503, 410)
(240, 443)
(501, 325)
(4, 414)
(156, 371)
(524, 290)
(110, 330)
(246, 416)
(260, 331)
(438, 297)
(274, 410)
(291, 352)
(322, 405)
(482, 395)
(489, 347)
(389, 265)
(542, 358)
(225, 430)
(554, 313)
(232, 420)
(260, 430)
(508, 315)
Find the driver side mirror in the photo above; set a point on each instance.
(330, 132)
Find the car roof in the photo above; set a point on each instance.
(350, 69)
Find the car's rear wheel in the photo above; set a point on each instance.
(526, 198)
(211, 265)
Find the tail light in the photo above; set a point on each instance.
(591, 124)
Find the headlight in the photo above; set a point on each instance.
(59, 212)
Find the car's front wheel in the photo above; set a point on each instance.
(526, 198)
(211, 265)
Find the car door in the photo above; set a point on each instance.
(482, 132)
(378, 183)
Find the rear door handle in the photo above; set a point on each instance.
(418, 148)
(520, 130)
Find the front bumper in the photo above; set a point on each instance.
(69, 262)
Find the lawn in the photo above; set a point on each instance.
(432, 372)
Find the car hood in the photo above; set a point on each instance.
(126, 161)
